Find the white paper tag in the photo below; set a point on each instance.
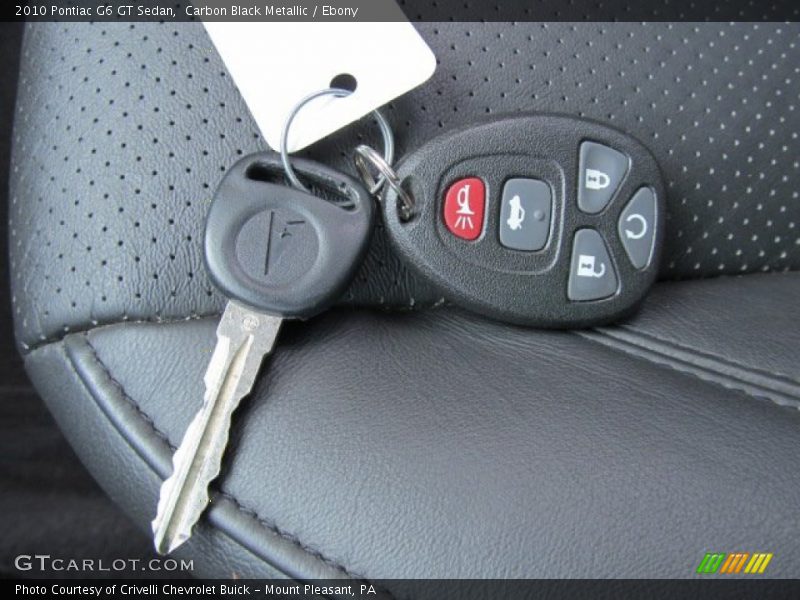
(275, 65)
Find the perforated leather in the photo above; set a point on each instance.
(122, 132)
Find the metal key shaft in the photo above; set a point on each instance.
(244, 338)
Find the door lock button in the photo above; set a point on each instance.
(637, 227)
(600, 172)
(591, 273)
(525, 214)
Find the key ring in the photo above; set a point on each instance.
(366, 154)
(386, 131)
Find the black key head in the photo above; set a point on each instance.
(281, 250)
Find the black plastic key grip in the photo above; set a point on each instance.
(281, 250)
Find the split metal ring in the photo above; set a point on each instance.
(386, 131)
(365, 156)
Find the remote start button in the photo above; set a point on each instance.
(464, 206)
(637, 227)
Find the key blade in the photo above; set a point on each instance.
(244, 337)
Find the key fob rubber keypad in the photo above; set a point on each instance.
(561, 225)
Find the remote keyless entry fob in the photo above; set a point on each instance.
(543, 220)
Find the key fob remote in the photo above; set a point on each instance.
(550, 221)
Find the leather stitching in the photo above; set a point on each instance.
(121, 390)
(704, 354)
(272, 527)
(601, 332)
(730, 384)
(88, 327)
(597, 331)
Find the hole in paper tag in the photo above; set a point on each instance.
(276, 64)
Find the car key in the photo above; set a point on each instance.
(544, 220)
(277, 253)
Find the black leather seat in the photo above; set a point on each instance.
(384, 443)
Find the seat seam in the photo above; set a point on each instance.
(777, 375)
(583, 334)
(594, 334)
(93, 325)
(262, 521)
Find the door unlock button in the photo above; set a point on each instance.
(591, 273)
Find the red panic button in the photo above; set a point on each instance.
(464, 206)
